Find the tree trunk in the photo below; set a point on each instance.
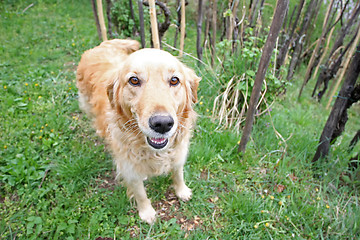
(207, 36)
(345, 30)
(229, 22)
(355, 139)
(330, 72)
(234, 25)
(132, 15)
(178, 11)
(339, 106)
(278, 18)
(199, 49)
(108, 15)
(93, 4)
(253, 13)
(285, 47)
(237, 25)
(330, 30)
(259, 17)
(287, 28)
(141, 20)
(214, 17)
(340, 127)
(314, 60)
(182, 28)
(324, 76)
(299, 41)
(344, 67)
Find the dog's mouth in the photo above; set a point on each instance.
(157, 143)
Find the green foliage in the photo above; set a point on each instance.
(245, 62)
(120, 13)
(236, 77)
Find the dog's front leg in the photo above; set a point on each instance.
(181, 190)
(146, 211)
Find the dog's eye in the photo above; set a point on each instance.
(174, 81)
(134, 81)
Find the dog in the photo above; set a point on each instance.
(141, 103)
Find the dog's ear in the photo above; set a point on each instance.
(131, 46)
(110, 94)
(112, 91)
(122, 45)
(193, 80)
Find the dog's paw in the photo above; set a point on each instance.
(184, 193)
(148, 215)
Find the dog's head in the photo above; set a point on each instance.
(155, 92)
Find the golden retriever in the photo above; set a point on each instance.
(141, 102)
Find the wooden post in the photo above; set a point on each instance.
(214, 17)
(312, 63)
(344, 68)
(324, 54)
(93, 4)
(298, 47)
(199, 30)
(232, 19)
(339, 106)
(101, 19)
(283, 53)
(154, 24)
(141, 20)
(108, 16)
(278, 19)
(182, 28)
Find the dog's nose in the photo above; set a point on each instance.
(161, 124)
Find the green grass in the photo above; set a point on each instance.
(56, 177)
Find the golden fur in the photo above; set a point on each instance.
(141, 102)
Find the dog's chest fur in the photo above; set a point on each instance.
(131, 153)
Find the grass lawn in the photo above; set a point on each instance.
(56, 176)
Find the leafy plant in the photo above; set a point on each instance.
(236, 80)
(121, 16)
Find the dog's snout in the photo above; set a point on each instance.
(161, 124)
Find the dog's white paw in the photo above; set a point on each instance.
(148, 215)
(184, 193)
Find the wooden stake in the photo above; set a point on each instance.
(101, 19)
(214, 17)
(154, 24)
(326, 48)
(278, 19)
(94, 8)
(315, 53)
(232, 20)
(346, 64)
(339, 107)
(182, 28)
(199, 24)
(141, 20)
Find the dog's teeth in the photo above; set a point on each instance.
(158, 140)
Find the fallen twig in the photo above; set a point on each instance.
(43, 179)
(25, 9)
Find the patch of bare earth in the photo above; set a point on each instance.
(106, 180)
(170, 208)
(167, 208)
